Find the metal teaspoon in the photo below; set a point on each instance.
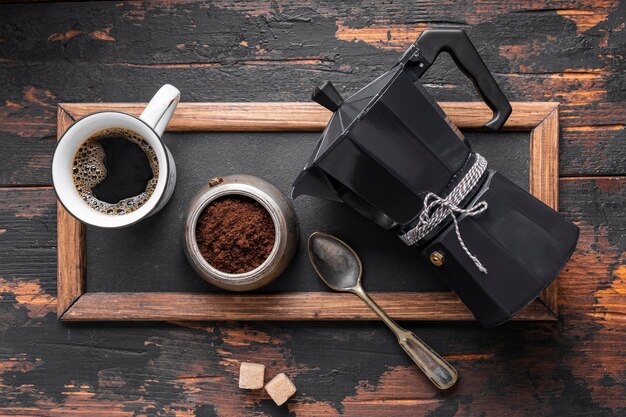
(340, 268)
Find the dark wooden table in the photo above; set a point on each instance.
(566, 51)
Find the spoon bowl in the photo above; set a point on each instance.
(335, 262)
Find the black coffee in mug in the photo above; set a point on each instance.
(111, 170)
(115, 171)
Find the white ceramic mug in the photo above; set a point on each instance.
(150, 125)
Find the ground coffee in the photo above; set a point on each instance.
(235, 234)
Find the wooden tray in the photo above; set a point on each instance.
(75, 304)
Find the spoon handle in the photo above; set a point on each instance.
(436, 368)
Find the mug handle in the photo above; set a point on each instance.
(158, 112)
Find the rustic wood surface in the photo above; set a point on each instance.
(566, 51)
(539, 117)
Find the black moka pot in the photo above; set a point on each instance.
(390, 152)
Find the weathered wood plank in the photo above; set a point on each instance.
(27, 257)
(28, 234)
(225, 51)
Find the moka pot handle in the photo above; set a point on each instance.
(456, 43)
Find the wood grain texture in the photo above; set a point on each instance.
(544, 180)
(567, 51)
(27, 255)
(71, 255)
(306, 306)
(71, 258)
(544, 165)
(231, 51)
(64, 121)
(309, 306)
(296, 116)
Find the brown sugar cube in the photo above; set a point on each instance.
(251, 375)
(280, 388)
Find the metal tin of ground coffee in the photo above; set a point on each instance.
(231, 195)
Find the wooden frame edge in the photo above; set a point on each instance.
(298, 116)
(544, 149)
(540, 118)
(71, 254)
(162, 306)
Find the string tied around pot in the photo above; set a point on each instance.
(436, 209)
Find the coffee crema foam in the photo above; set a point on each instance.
(89, 169)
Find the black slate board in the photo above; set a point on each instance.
(149, 257)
